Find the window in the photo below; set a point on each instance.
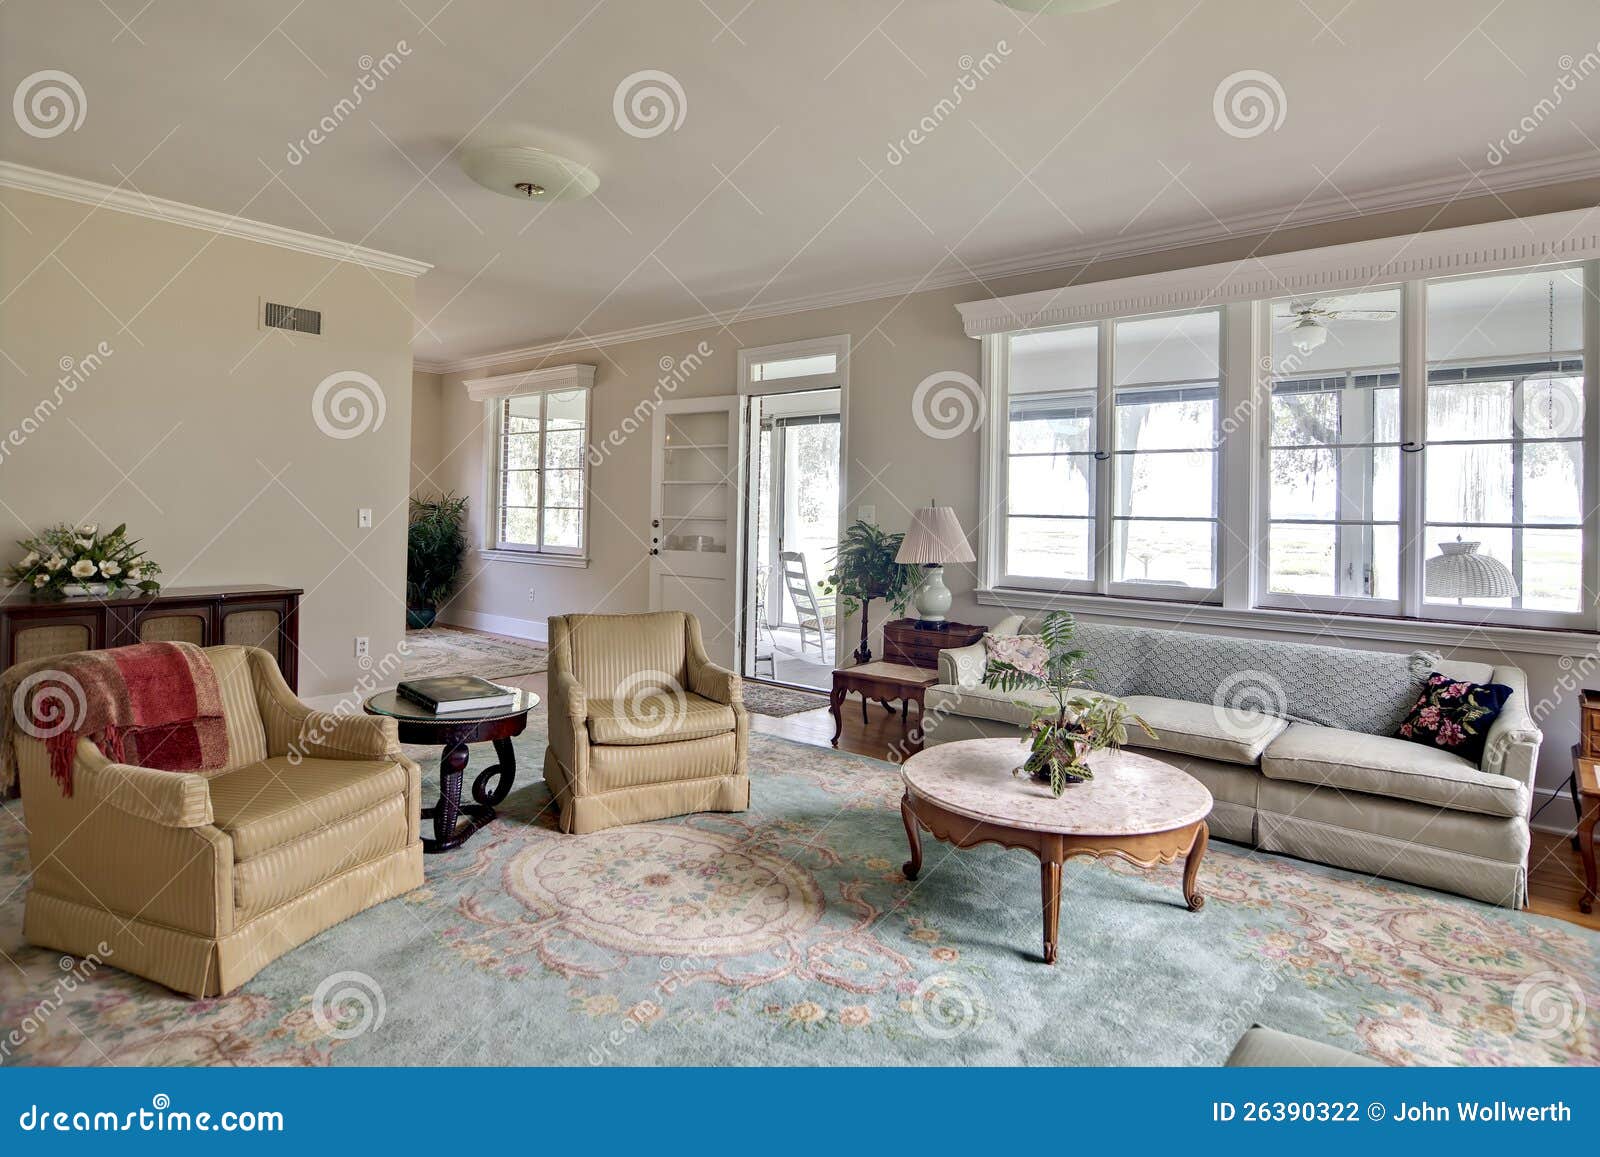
(542, 472)
(1505, 453)
(1411, 451)
(1333, 452)
(1114, 458)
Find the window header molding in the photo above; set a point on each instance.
(1511, 244)
(573, 377)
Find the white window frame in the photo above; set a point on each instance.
(1524, 245)
(495, 394)
(838, 378)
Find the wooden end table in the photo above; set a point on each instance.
(1135, 808)
(1587, 775)
(454, 822)
(884, 682)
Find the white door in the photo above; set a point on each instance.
(694, 517)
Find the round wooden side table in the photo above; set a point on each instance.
(454, 822)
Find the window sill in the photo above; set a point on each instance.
(533, 557)
(1332, 627)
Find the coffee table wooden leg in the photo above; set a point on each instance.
(1191, 868)
(1050, 887)
(913, 837)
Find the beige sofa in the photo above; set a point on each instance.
(1292, 780)
(199, 880)
(642, 724)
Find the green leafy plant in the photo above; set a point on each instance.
(864, 569)
(436, 545)
(81, 556)
(1063, 734)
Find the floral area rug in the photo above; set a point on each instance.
(772, 700)
(787, 935)
(441, 651)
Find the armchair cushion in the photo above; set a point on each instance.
(662, 718)
(267, 804)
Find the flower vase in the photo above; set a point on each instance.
(85, 590)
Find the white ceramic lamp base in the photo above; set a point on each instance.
(933, 597)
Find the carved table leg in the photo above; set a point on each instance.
(1191, 867)
(913, 837)
(503, 773)
(863, 708)
(835, 702)
(1050, 887)
(1586, 847)
(450, 830)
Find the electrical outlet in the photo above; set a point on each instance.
(867, 513)
(364, 518)
(362, 646)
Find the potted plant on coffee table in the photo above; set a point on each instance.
(864, 569)
(436, 544)
(1065, 732)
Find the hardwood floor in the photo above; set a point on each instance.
(1555, 874)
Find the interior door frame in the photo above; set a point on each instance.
(749, 391)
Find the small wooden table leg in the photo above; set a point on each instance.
(1586, 827)
(835, 703)
(1050, 887)
(1191, 867)
(913, 837)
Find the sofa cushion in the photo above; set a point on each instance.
(984, 702)
(1393, 768)
(267, 804)
(623, 766)
(1455, 715)
(1228, 734)
(657, 718)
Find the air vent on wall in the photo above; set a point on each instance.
(294, 318)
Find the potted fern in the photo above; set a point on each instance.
(864, 569)
(1062, 734)
(436, 544)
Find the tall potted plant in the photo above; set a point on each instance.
(436, 544)
(1063, 733)
(864, 569)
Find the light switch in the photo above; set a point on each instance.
(364, 518)
(867, 513)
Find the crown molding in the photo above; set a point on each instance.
(573, 377)
(124, 200)
(1508, 178)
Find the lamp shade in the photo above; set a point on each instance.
(934, 539)
(1460, 572)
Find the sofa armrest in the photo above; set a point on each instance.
(295, 730)
(173, 799)
(964, 666)
(1512, 746)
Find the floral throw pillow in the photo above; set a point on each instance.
(1455, 715)
(1024, 652)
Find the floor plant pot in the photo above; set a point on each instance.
(420, 618)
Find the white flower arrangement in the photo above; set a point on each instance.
(70, 556)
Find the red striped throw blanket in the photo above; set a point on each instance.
(153, 705)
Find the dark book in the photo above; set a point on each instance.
(449, 693)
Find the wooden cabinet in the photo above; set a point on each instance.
(904, 641)
(254, 616)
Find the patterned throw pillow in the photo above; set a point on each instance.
(1455, 715)
(1024, 652)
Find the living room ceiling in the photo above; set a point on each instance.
(788, 168)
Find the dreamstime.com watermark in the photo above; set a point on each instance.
(1248, 103)
(973, 73)
(948, 404)
(347, 404)
(1573, 73)
(321, 725)
(48, 103)
(74, 373)
(160, 1117)
(74, 974)
(373, 72)
(674, 372)
(648, 103)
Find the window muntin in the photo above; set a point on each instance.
(1504, 414)
(542, 472)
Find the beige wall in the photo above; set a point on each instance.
(230, 479)
(892, 464)
(427, 443)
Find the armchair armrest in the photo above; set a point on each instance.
(173, 799)
(706, 678)
(295, 730)
(568, 699)
(1512, 746)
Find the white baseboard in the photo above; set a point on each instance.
(1556, 818)
(536, 630)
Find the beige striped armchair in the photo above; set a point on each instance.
(642, 724)
(198, 880)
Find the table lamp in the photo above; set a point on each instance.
(934, 539)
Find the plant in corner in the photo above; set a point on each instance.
(78, 561)
(864, 569)
(436, 543)
(1063, 734)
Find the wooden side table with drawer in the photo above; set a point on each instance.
(915, 646)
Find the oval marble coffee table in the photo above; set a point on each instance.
(1140, 809)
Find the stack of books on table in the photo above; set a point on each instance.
(449, 694)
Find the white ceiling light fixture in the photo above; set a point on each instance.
(528, 173)
(1307, 334)
(1056, 7)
